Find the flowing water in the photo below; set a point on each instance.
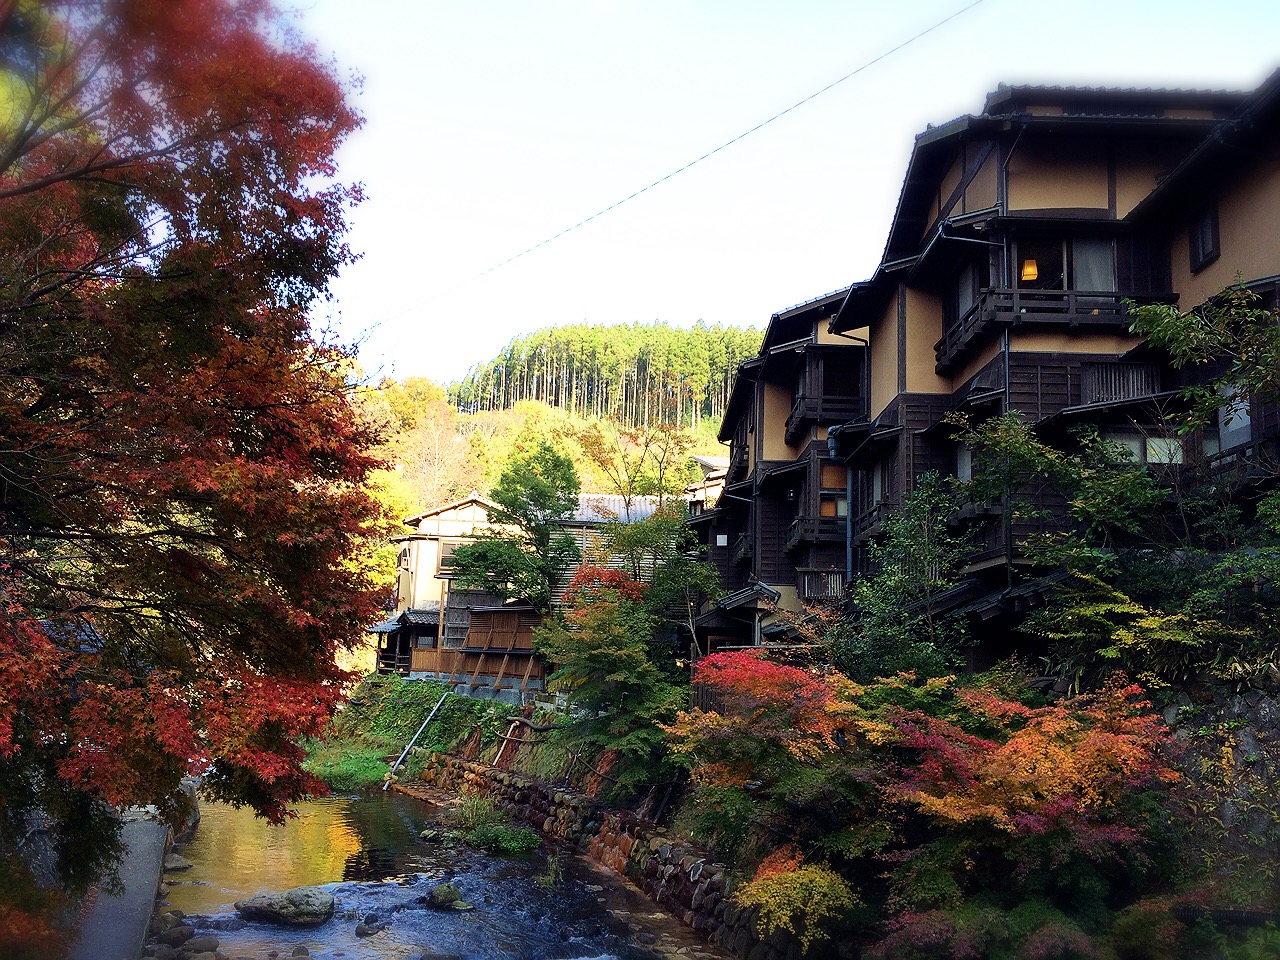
(366, 850)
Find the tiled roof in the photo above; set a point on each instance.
(423, 615)
(417, 616)
(833, 295)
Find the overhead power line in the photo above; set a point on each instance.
(692, 163)
(728, 143)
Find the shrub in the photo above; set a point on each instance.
(797, 899)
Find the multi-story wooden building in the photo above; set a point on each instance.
(473, 640)
(409, 640)
(1010, 255)
(1018, 237)
(777, 531)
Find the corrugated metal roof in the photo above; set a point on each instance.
(606, 507)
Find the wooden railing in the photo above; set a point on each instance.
(822, 409)
(868, 522)
(1009, 306)
(814, 530)
(742, 549)
(1108, 382)
(391, 662)
(489, 667)
(821, 584)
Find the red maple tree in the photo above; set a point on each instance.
(181, 468)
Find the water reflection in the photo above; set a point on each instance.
(370, 865)
(239, 854)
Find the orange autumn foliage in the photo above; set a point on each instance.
(1066, 765)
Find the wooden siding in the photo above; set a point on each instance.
(774, 516)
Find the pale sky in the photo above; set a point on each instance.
(494, 124)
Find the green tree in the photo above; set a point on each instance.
(896, 626)
(662, 550)
(601, 648)
(1233, 332)
(522, 557)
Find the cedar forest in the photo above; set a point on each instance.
(196, 492)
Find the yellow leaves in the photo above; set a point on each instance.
(798, 900)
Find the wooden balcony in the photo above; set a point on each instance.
(1062, 309)
(743, 550)
(815, 530)
(808, 411)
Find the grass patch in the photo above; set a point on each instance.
(476, 812)
(507, 840)
(347, 766)
(482, 824)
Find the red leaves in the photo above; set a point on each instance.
(781, 861)
(591, 583)
(1070, 767)
(796, 705)
(126, 740)
(183, 466)
(32, 669)
(773, 716)
(751, 682)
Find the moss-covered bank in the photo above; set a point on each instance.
(382, 715)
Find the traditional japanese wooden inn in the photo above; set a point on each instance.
(1019, 236)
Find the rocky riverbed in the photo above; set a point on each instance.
(385, 883)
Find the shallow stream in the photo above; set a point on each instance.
(366, 850)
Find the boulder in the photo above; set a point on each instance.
(164, 921)
(443, 896)
(205, 944)
(173, 862)
(177, 936)
(299, 907)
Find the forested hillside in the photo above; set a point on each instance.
(637, 375)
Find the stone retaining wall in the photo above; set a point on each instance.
(1230, 755)
(671, 872)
